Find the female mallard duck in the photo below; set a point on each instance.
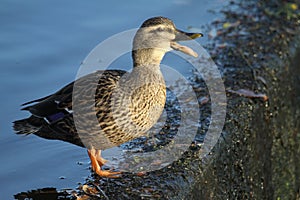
(126, 105)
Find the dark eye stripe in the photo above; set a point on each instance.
(160, 29)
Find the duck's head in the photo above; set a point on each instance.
(157, 36)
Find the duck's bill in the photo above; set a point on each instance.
(181, 36)
(183, 49)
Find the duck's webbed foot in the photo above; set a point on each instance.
(97, 162)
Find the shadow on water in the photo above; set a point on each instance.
(42, 47)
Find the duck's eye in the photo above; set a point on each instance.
(170, 30)
(160, 29)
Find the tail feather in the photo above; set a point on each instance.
(62, 129)
(29, 125)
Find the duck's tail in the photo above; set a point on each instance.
(29, 125)
(59, 130)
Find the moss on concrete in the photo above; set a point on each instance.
(259, 159)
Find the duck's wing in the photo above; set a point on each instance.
(50, 105)
(59, 103)
(52, 116)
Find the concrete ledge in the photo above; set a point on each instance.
(259, 158)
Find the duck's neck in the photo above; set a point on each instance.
(150, 57)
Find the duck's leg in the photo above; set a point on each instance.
(100, 159)
(97, 162)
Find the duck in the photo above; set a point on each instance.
(107, 108)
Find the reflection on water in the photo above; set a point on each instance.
(42, 44)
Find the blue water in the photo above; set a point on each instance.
(42, 44)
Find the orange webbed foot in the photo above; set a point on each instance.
(97, 162)
(108, 173)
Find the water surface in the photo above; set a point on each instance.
(42, 44)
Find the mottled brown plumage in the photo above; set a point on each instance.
(118, 106)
